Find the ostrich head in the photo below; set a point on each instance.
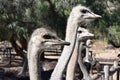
(40, 40)
(89, 43)
(82, 15)
(84, 34)
(46, 39)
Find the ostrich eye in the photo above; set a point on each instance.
(84, 11)
(47, 36)
(79, 31)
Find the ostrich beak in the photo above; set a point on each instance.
(58, 42)
(97, 16)
(61, 42)
(92, 15)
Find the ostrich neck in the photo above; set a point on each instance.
(80, 62)
(33, 61)
(87, 55)
(72, 64)
(71, 33)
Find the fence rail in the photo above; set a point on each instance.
(108, 72)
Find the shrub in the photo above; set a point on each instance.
(114, 35)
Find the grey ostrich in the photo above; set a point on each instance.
(87, 60)
(79, 16)
(82, 36)
(41, 39)
(84, 63)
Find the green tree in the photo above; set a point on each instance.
(18, 18)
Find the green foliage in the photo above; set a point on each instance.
(21, 17)
(4, 33)
(110, 17)
(17, 31)
(114, 35)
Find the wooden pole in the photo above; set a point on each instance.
(115, 75)
(106, 72)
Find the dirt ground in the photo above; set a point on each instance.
(104, 50)
(100, 49)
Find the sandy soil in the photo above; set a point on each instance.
(104, 50)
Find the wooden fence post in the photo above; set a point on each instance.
(106, 72)
(115, 75)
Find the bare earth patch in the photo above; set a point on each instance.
(104, 50)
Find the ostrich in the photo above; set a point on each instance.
(87, 59)
(41, 39)
(85, 62)
(79, 16)
(81, 64)
(82, 35)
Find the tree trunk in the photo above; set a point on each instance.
(17, 48)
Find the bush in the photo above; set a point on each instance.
(114, 35)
